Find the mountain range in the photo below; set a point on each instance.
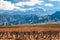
(19, 19)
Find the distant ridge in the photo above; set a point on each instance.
(10, 20)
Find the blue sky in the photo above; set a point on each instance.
(25, 5)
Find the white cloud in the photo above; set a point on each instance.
(49, 5)
(32, 9)
(55, 0)
(4, 5)
(21, 9)
(30, 3)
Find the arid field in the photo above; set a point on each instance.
(31, 27)
(30, 32)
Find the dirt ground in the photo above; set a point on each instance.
(30, 32)
(31, 28)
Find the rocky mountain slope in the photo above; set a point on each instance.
(9, 20)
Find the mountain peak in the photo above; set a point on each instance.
(57, 12)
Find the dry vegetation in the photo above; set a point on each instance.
(31, 32)
(37, 25)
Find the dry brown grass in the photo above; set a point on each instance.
(31, 27)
